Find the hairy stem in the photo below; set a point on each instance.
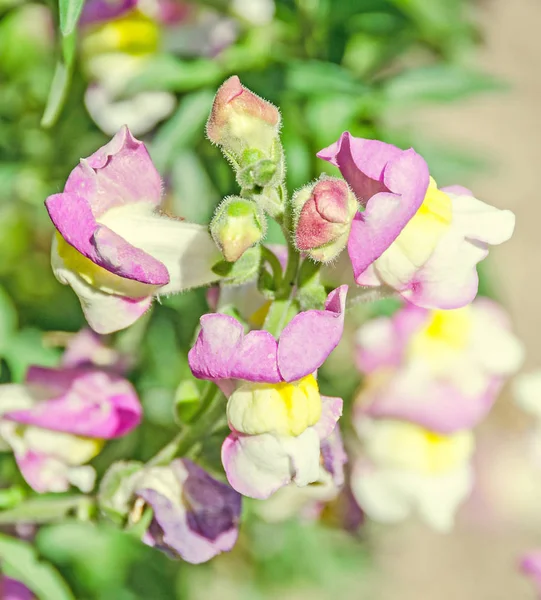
(202, 424)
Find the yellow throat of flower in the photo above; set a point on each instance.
(445, 335)
(97, 276)
(280, 408)
(133, 33)
(403, 445)
(431, 221)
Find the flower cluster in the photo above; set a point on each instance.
(431, 371)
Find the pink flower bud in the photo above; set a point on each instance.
(325, 211)
(241, 120)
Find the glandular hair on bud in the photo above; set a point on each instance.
(324, 211)
(240, 120)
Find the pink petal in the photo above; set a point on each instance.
(391, 184)
(330, 413)
(311, 336)
(222, 351)
(92, 403)
(72, 216)
(121, 172)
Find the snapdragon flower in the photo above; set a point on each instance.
(59, 419)
(308, 502)
(194, 516)
(442, 369)
(275, 412)
(113, 247)
(117, 42)
(411, 237)
(406, 469)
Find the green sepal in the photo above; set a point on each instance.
(245, 269)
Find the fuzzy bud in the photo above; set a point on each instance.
(237, 225)
(324, 213)
(240, 120)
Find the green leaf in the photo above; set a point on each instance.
(183, 129)
(42, 509)
(26, 348)
(69, 12)
(61, 82)
(187, 401)
(8, 320)
(168, 73)
(314, 77)
(437, 83)
(194, 194)
(20, 561)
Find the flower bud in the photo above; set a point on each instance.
(237, 225)
(240, 120)
(324, 213)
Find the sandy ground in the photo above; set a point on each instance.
(477, 561)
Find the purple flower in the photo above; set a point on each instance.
(113, 247)
(98, 11)
(11, 589)
(412, 237)
(195, 517)
(58, 420)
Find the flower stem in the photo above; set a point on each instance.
(212, 408)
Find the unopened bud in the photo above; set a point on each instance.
(324, 213)
(240, 120)
(237, 225)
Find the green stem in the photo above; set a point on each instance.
(275, 265)
(212, 408)
(48, 508)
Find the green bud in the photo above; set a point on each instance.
(237, 225)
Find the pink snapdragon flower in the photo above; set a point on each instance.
(442, 369)
(275, 412)
(412, 237)
(113, 247)
(59, 419)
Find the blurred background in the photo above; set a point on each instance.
(457, 79)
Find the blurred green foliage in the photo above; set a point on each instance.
(330, 66)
